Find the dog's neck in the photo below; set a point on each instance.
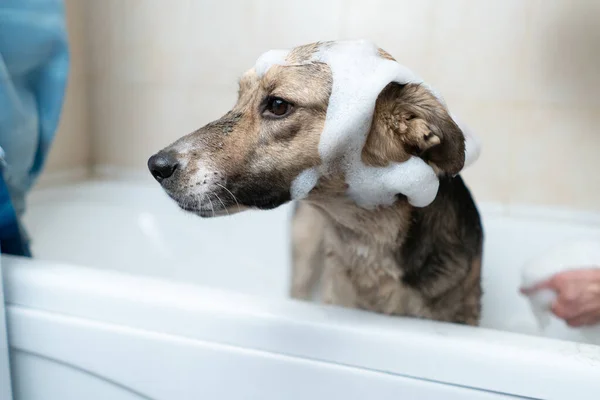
(380, 226)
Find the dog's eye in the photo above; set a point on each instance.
(277, 107)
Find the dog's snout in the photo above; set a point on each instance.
(162, 165)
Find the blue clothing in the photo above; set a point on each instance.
(34, 63)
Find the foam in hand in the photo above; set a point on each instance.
(576, 254)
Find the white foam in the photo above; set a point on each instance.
(576, 254)
(372, 186)
(268, 59)
(304, 183)
(359, 75)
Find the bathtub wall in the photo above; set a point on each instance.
(524, 73)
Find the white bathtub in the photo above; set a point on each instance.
(130, 298)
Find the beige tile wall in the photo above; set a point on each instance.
(524, 73)
(70, 151)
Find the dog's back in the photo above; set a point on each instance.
(421, 262)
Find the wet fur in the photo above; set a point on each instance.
(400, 260)
(422, 262)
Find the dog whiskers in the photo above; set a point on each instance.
(231, 194)
(211, 206)
(223, 204)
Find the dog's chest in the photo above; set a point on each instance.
(364, 260)
(371, 274)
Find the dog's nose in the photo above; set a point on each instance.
(162, 165)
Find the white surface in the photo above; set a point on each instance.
(5, 385)
(161, 366)
(165, 340)
(136, 228)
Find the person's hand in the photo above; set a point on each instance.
(578, 296)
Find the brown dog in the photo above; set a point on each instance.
(398, 259)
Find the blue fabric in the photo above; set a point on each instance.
(34, 63)
(12, 238)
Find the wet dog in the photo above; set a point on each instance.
(394, 258)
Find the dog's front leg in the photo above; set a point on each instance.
(308, 231)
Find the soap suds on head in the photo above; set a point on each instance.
(359, 75)
(268, 59)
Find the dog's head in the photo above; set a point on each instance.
(251, 156)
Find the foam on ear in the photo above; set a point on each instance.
(359, 75)
(374, 186)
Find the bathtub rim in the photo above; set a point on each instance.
(456, 355)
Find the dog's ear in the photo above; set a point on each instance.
(410, 120)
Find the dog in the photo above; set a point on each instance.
(395, 259)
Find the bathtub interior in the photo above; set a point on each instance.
(133, 227)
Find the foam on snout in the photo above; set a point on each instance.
(359, 75)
